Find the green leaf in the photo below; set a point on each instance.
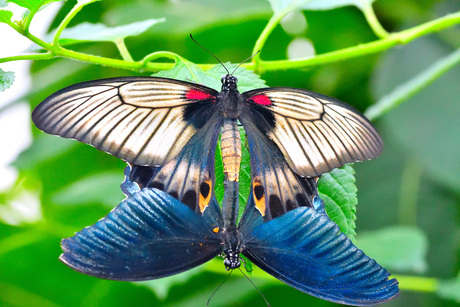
(97, 32)
(317, 5)
(338, 191)
(400, 248)
(185, 71)
(188, 71)
(245, 174)
(450, 289)
(6, 78)
(32, 5)
(102, 188)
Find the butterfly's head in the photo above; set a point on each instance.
(229, 83)
(232, 260)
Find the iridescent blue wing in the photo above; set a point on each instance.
(149, 235)
(306, 250)
(314, 132)
(142, 120)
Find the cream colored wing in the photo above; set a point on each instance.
(314, 132)
(142, 120)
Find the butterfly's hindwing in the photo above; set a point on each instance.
(142, 120)
(190, 176)
(306, 250)
(149, 235)
(314, 132)
(276, 188)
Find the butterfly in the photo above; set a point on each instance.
(167, 130)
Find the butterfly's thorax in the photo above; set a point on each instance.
(229, 97)
(231, 158)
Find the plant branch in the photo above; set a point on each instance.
(389, 41)
(160, 54)
(271, 25)
(120, 43)
(38, 56)
(65, 22)
(372, 20)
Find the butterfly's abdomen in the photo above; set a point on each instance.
(231, 149)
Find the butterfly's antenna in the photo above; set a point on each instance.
(209, 299)
(209, 53)
(245, 61)
(258, 290)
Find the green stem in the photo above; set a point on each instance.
(417, 283)
(39, 56)
(389, 41)
(65, 22)
(136, 66)
(271, 25)
(120, 43)
(372, 20)
(413, 86)
(160, 54)
(31, 16)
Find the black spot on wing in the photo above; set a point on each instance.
(276, 208)
(302, 200)
(159, 186)
(174, 194)
(141, 175)
(259, 192)
(190, 199)
(204, 189)
(290, 205)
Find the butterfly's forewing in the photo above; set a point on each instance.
(149, 235)
(190, 176)
(306, 250)
(142, 120)
(314, 132)
(276, 189)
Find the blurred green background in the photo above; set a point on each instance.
(408, 211)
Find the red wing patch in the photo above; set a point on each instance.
(261, 99)
(194, 94)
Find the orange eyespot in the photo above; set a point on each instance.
(259, 196)
(205, 194)
(215, 230)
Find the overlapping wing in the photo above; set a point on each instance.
(142, 120)
(190, 176)
(306, 250)
(276, 189)
(314, 132)
(149, 235)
